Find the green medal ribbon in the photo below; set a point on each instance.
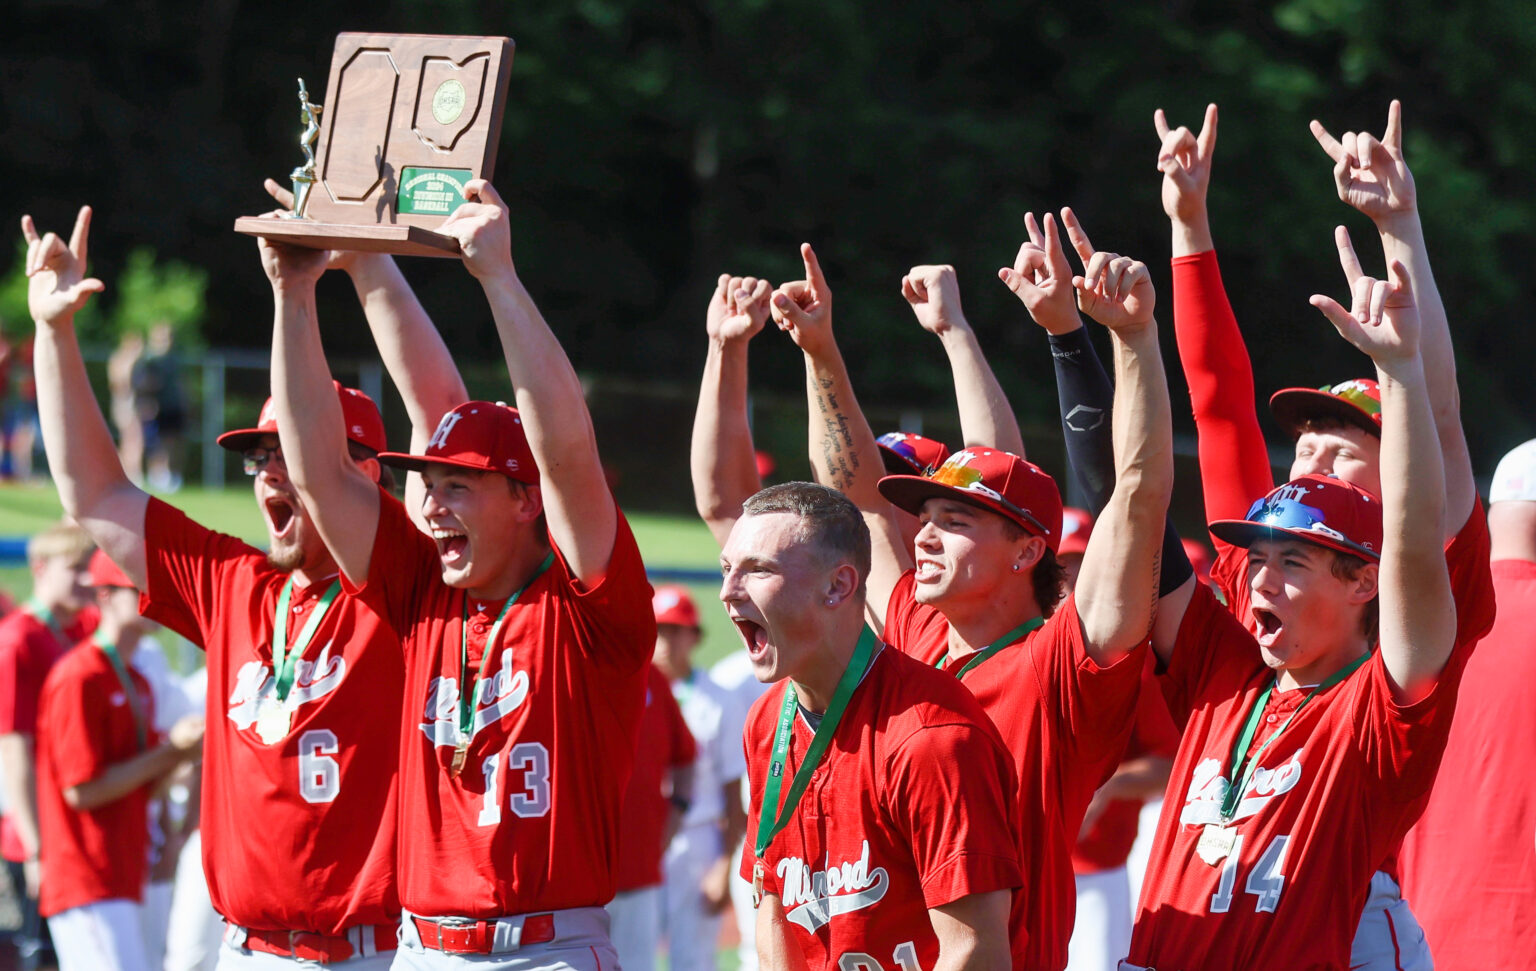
(1006, 640)
(35, 607)
(284, 663)
(1234, 793)
(135, 705)
(769, 824)
(466, 697)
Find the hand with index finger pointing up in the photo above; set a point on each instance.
(1370, 175)
(56, 283)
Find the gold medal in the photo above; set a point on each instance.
(273, 722)
(757, 884)
(460, 755)
(1216, 843)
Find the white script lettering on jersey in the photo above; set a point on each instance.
(500, 695)
(440, 435)
(813, 898)
(312, 680)
(1208, 787)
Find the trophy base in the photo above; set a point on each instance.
(399, 240)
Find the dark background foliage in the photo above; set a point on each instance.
(650, 145)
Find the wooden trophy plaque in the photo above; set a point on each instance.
(407, 120)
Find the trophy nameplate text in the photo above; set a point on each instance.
(407, 119)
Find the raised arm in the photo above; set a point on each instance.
(342, 501)
(1234, 463)
(844, 455)
(92, 486)
(409, 344)
(1042, 279)
(578, 505)
(985, 415)
(1373, 177)
(1117, 587)
(721, 459)
(1418, 616)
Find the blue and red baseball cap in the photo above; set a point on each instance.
(486, 436)
(1355, 402)
(909, 453)
(997, 481)
(1317, 508)
(364, 424)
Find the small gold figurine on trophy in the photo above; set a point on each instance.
(304, 176)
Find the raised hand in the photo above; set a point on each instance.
(1114, 290)
(1041, 278)
(1383, 320)
(1185, 161)
(482, 227)
(738, 309)
(934, 294)
(803, 308)
(56, 283)
(336, 259)
(1371, 175)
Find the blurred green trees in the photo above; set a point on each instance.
(650, 145)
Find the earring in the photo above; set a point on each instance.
(1015, 568)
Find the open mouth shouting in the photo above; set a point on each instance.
(1267, 626)
(452, 545)
(754, 634)
(281, 513)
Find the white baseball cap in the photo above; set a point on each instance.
(1515, 478)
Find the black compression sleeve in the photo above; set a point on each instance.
(1085, 396)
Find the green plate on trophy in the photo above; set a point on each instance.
(407, 120)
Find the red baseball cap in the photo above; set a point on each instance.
(909, 453)
(364, 425)
(1356, 402)
(482, 435)
(105, 573)
(997, 481)
(673, 605)
(1076, 527)
(1319, 509)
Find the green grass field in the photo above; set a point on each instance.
(665, 541)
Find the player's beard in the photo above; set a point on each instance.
(287, 558)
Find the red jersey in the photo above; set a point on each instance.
(1333, 793)
(532, 821)
(1468, 865)
(86, 724)
(298, 833)
(1066, 721)
(888, 827)
(663, 742)
(29, 646)
(1108, 844)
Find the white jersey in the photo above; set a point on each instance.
(733, 674)
(710, 711)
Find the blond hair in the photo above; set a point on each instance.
(63, 539)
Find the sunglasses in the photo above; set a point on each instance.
(254, 459)
(1292, 515)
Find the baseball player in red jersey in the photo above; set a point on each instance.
(525, 619)
(1468, 863)
(98, 756)
(654, 803)
(58, 614)
(1306, 753)
(1061, 683)
(304, 680)
(1336, 428)
(866, 846)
